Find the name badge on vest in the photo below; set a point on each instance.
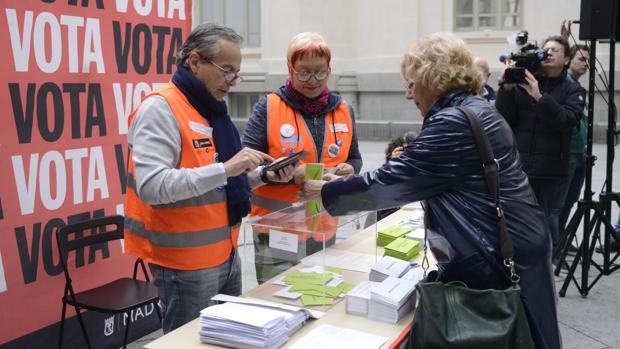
(340, 128)
(202, 143)
(333, 150)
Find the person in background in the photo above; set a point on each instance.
(303, 114)
(486, 91)
(570, 189)
(542, 113)
(443, 167)
(188, 183)
(396, 148)
(397, 145)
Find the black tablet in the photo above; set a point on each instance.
(291, 160)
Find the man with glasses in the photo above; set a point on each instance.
(542, 113)
(301, 115)
(189, 179)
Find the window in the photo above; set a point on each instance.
(241, 15)
(470, 15)
(241, 104)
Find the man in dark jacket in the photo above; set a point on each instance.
(541, 113)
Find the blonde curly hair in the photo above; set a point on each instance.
(441, 62)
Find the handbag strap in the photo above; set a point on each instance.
(490, 168)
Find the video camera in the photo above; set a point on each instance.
(525, 55)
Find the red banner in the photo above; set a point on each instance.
(74, 72)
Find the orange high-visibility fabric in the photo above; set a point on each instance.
(269, 198)
(187, 235)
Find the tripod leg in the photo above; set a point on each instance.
(570, 233)
(582, 254)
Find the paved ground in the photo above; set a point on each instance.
(585, 323)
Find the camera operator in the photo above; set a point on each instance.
(542, 112)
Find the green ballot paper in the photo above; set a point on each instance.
(313, 171)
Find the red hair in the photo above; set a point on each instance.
(311, 51)
(308, 45)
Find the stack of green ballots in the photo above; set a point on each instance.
(403, 248)
(390, 234)
(314, 287)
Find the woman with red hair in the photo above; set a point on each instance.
(303, 114)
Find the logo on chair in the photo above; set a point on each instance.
(109, 326)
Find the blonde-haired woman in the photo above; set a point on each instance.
(443, 167)
(303, 114)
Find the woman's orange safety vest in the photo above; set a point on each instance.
(188, 234)
(286, 131)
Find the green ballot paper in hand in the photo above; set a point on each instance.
(313, 171)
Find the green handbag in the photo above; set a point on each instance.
(451, 315)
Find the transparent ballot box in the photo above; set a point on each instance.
(303, 256)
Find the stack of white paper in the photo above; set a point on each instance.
(358, 298)
(416, 234)
(391, 300)
(332, 337)
(248, 326)
(388, 266)
(414, 275)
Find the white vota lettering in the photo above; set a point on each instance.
(144, 7)
(47, 31)
(55, 158)
(92, 46)
(76, 155)
(176, 5)
(96, 175)
(72, 23)
(121, 6)
(130, 100)
(44, 20)
(20, 45)
(92, 52)
(53, 165)
(26, 186)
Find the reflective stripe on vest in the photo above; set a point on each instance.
(178, 239)
(269, 198)
(188, 234)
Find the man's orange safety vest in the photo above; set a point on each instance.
(188, 234)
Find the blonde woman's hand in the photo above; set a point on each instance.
(344, 169)
(311, 189)
(397, 152)
(330, 177)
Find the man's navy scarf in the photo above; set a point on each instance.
(225, 136)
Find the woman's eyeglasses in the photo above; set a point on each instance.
(305, 75)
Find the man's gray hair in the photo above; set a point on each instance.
(204, 40)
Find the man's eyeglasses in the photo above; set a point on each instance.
(305, 75)
(230, 76)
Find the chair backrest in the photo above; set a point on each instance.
(65, 244)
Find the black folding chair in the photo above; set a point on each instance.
(115, 297)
